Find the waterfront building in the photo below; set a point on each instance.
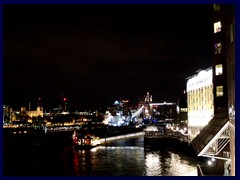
(200, 101)
(217, 139)
(227, 14)
(35, 113)
(230, 61)
(7, 114)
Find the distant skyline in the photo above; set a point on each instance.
(96, 54)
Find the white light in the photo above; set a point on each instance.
(209, 163)
(151, 128)
(103, 140)
(152, 163)
(204, 78)
(217, 26)
(178, 109)
(199, 118)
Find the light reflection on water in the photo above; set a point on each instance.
(123, 159)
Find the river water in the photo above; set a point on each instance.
(121, 158)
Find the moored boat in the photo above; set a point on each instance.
(87, 141)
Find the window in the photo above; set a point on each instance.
(218, 69)
(217, 27)
(218, 48)
(219, 92)
(216, 7)
(183, 109)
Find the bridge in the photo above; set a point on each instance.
(211, 141)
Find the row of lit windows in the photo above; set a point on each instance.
(217, 27)
(200, 98)
(218, 49)
(230, 36)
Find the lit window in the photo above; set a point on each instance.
(183, 109)
(218, 69)
(217, 26)
(218, 48)
(219, 91)
(216, 7)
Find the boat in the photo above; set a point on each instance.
(87, 141)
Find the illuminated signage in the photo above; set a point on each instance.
(204, 78)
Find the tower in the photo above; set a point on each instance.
(147, 112)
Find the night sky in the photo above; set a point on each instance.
(96, 54)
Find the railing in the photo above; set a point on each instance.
(199, 170)
(162, 131)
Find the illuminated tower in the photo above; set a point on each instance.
(40, 104)
(64, 104)
(148, 98)
(147, 112)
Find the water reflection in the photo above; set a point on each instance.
(153, 164)
(128, 159)
(121, 158)
(182, 166)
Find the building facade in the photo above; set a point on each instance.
(217, 139)
(36, 113)
(200, 101)
(224, 67)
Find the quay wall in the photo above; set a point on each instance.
(170, 143)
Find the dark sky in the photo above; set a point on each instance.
(96, 54)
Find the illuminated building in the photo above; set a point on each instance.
(224, 76)
(219, 59)
(36, 113)
(217, 139)
(200, 101)
(230, 61)
(7, 114)
(147, 112)
(121, 115)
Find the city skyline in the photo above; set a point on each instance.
(96, 54)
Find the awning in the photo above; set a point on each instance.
(213, 137)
